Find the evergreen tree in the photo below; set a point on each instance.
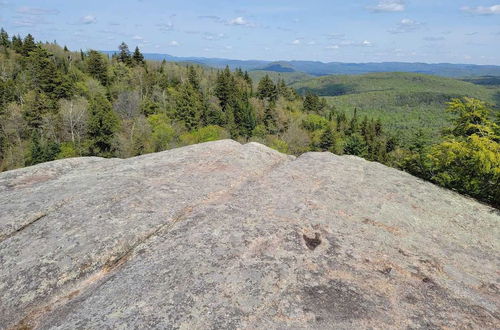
(45, 76)
(266, 89)
(36, 106)
(28, 45)
(137, 57)
(4, 38)
(327, 142)
(355, 145)
(41, 152)
(270, 120)
(17, 44)
(189, 106)
(124, 54)
(353, 124)
(313, 103)
(244, 118)
(97, 66)
(102, 125)
(193, 78)
(225, 91)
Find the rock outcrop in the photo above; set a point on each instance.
(222, 236)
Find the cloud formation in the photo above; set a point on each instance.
(88, 19)
(495, 9)
(25, 10)
(388, 6)
(406, 25)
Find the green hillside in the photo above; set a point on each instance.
(289, 77)
(406, 102)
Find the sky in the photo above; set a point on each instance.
(432, 31)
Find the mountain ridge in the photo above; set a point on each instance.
(319, 68)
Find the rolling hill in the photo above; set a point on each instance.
(317, 68)
(406, 102)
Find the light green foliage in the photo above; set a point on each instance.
(279, 145)
(405, 102)
(472, 117)
(204, 134)
(162, 132)
(313, 122)
(468, 161)
(67, 150)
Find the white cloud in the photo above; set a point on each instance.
(137, 38)
(238, 21)
(296, 42)
(173, 43)
(89, 19)
(166, 26)
(406, 25)
(434, 38)
(388, 6)
(350, 43)
(495, 9)
(336, 36)
(213, 36)
(25, 10)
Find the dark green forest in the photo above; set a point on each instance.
(56, 103)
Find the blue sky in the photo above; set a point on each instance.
(455, 31)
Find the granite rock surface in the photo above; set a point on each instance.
(228, 236)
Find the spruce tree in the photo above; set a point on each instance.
(327, 141)
(4, 38)
(189, 106)
(28, 45)
(193, 78)
(97, 66)
(124, 54)
(17, 44)
(101, 127)
(266, 90)
(137, 57)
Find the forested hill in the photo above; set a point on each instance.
(55, 103)
(317, 68)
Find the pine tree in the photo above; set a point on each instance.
(193, 78)
(225, 91)
(102, 125)
(4, 38)
(45, 76)
(244, 117)
(97, 67)
(17, 44)
(124, 54)
(353, 124)
(137, 57)
(28, 45)
(36, 105)
(189, 106)
(327, 141)
(312, 103)
(266, 90)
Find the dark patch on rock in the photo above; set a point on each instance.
(312, 243)
(336, 301)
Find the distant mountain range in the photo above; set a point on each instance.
(316, 68)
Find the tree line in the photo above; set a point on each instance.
(56, 103)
